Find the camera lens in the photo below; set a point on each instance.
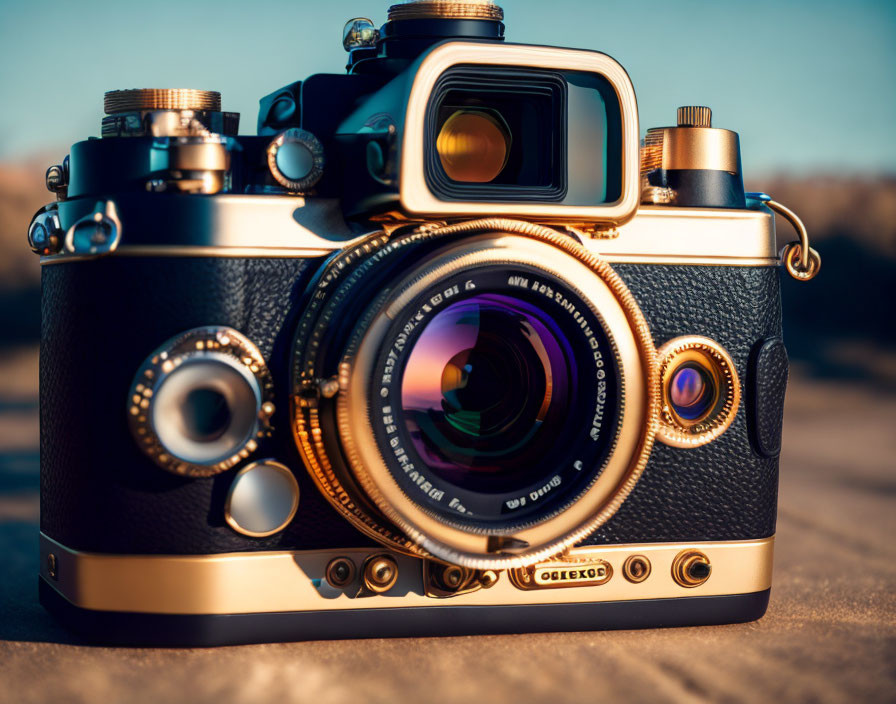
(501, 401)
(488, 382)
(692, 391)
(473, 146)
(205, 410)
(493, 398)
(205, 414)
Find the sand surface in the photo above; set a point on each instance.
(829, 635)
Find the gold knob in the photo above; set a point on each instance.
(691, 568)
(380, 573)
(139, 99)
(694, 116)
(446, 9)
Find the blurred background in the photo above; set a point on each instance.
(808, 85)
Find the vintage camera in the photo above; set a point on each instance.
(444, 349)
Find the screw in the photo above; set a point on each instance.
(488, 579)
(636, 568)
(453, 576)
(340, 572)
(380, 573)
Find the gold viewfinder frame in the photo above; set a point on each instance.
(416, 197)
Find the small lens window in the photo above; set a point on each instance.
(691, 391)
(701, 391)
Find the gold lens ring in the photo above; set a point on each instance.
(603, 289)
(716, 363)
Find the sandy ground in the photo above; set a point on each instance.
(829, 635)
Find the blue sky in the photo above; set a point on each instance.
(809, 85)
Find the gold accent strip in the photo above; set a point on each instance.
(716, 235)
(260, 582)
(288, 227)
(275, 253)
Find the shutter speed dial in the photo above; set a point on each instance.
(296, 159)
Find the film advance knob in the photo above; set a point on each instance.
(296, 159)
(694, 116)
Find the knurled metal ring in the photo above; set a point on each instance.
(445, 9)
(137, 99)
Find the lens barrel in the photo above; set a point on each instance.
(492, 400)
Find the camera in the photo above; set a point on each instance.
(446, 348)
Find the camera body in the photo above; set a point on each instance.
(440, 351)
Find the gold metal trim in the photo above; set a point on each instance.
(692, 148)
(562, 573)
(241, 225)
(801, 261)
(678, 432)
(288, 227)
(446, 9)
(416, 197)
(597, 283)
(294, 487)
(693, 236)
(137, 99)
(257, 582)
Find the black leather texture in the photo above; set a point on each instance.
(102, 318)
(723, 490)
(765, 402)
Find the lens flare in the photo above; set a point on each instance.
(473, 146)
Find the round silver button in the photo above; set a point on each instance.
(263, 499)
(296, 159)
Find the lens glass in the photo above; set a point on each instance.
(205, 414)
(498, 399)
(473, 146)
(487, 386)
(692, 391)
